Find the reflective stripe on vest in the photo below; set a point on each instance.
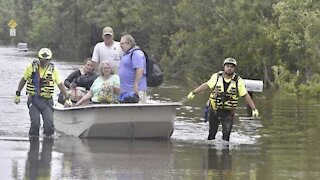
(225, 100)
(46, 83)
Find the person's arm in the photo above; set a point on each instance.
(17, 97)
(20, 86)
(138, 63)
(27, 74)
(63, 89)
(116, 85)
(249, 101)
(95, 57)
(69, 82)
(116, 89)
(59, 83)
(204, 86)
(22, 82)
(243, 92)
(137, 78)
(88, 96)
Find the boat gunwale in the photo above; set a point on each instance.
(127, 105)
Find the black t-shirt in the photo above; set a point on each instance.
(80, 80)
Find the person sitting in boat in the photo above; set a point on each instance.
(80, 81)
(105, 88)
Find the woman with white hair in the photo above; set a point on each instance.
(105, 88)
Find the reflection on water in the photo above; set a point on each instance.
(38, 164)
(117, 159)
(141, 159)
(219, 160)
(73, 158)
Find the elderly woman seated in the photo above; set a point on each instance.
(105, 88)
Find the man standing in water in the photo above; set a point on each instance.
(226, 87)
(41, 76)
(107, 50)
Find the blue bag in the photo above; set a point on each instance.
(128, 97)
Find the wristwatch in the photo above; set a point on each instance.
(18, 93)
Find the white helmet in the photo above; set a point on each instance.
(45, 53)
(230, 61)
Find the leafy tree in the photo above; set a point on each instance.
(7, 12)
(42, 32)
(294, 32)
(213, 30)
(23, 7)
(189, 38)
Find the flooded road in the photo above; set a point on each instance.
(283, 144)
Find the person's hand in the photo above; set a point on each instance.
(73, 85)
(17, 99)
(255, 112)
(78, 103)
(190, 95)
(68, 103)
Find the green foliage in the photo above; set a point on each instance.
(42, 29)
(58, 25)
(294, 33)
(189, 38)
(6, 14)
(284, 80)
(311, 88)
(287, 82)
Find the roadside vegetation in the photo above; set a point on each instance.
(276, 41)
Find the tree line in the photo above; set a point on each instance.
(190, 39)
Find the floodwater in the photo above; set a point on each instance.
(282, 144)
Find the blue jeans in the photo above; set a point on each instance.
(38, 105)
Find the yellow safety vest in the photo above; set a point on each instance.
(219, 99)
(44, 86)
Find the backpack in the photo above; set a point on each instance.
(154, 73)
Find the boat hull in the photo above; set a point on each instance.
(117, 120)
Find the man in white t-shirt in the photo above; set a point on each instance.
(108, 50)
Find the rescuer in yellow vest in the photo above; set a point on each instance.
(226, 87)
(40, 77)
